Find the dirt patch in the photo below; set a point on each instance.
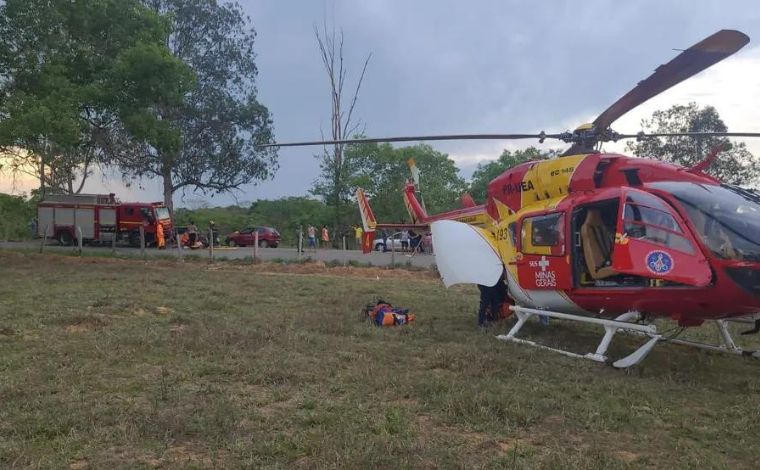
(302, 462)
(83, 324)
(6, 331)
(472, 439)
(553, 420)
(319, 267)
(406, 401)
(627, 457)
(427, 429)
(305, 268)
(79, 464)
(271, 409)
(506, 447)
(139, 312)
(185, 455)
(163, 310)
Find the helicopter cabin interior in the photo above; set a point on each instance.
(645, 217)
(592, 228)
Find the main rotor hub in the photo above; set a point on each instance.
(587, 136)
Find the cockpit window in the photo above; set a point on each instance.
(654, 225)
(646, 215)
(641, 198)
(727, 218)
(543, 234)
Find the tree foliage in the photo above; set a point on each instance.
(71, 86)
(220, 120)
(485, 173)
(735, 163)
(290, 214)
(287, 215)
(382, 170)
(15, 214)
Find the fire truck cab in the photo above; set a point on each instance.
(100, 218)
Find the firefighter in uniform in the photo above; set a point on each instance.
(160, 240)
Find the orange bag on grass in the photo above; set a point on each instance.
(384, 314)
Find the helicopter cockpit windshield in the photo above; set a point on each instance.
(727, 218)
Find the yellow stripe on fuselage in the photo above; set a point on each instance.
(547, 183)
(548, 179)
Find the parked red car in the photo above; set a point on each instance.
(268, 237)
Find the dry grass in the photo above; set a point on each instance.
(111, 363)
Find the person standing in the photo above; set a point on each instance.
(160, 239)
(325, 237)
(312, 232)
(212, 232)
(491, 298)
(414, 240)
(33, 226)
(404, 240)
(358, 232)
(192, 233)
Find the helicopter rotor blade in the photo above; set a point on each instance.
(539, 136)
(643, 135)
(688, 63)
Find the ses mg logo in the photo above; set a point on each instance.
(659, 262)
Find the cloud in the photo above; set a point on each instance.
(447, 66)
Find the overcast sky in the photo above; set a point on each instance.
(449, 66)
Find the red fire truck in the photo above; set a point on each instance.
(101, 218)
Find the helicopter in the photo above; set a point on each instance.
(604, 238)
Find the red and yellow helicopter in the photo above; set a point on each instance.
(604, 238)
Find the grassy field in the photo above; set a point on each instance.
(114, 363)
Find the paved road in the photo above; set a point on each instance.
(375, 258)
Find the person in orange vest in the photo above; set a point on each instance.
(160, 240)
(325, 237)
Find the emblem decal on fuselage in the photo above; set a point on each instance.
(659, 262)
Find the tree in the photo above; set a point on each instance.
(220, 120)
(66, 91)
(15, 214)
(290, 214)
(382, 171)
(484, 174)
(735, 163)
(332, 184)
(287, 215)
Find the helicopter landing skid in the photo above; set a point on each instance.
(727, 341)
(623, 322)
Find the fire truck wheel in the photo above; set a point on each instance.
(65, 238)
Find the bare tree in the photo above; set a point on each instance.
(332, 183)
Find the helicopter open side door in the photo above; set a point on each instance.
(465, 254)
(652, 241)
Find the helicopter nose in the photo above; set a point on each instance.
(747, 278)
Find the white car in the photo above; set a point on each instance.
(390, 243)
